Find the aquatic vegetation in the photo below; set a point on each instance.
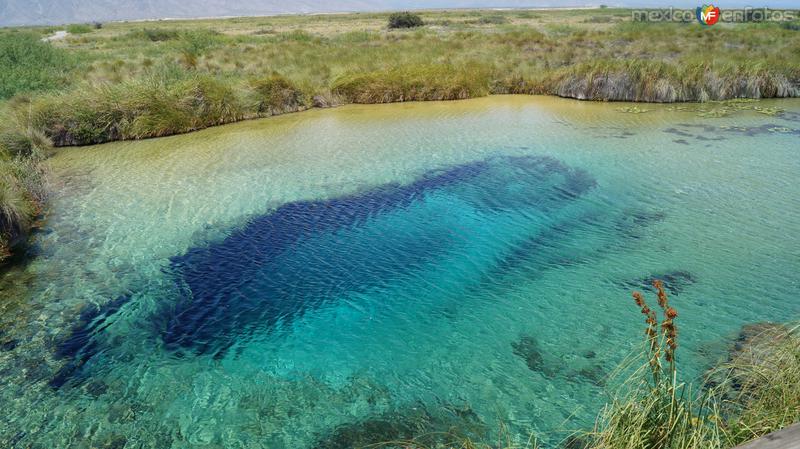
(717, 109)
(674, 281)
(755, 392)
(656, 410)
(633, 110)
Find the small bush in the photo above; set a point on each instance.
(490, 20)
(155, 34)
(79, 29)
(28, 64)
(193, 44)
(794, 26)
(405, 20)
(599, 19)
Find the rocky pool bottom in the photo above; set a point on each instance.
(374, 273)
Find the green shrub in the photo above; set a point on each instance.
(193, 44)
(405, 20)
(598, 19)
(490, 20)
(28, 64)
(155, 34)
(79, 29)
(794, 26)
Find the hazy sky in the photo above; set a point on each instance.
(30, 12)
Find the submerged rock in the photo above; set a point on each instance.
(9, 345)
(528, 349)
(423, 425)
(675, 281)
(582, 369)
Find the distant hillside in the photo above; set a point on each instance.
(40, 12)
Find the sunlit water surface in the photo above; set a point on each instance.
(373, 273)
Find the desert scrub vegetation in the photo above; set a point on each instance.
(27, 64)
(81, 28)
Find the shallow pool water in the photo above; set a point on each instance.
(340, 277)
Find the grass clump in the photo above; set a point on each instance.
(155, 34)
(27, 64)
(275, 94)
(657, 410)
(22, 181)
(405, 20)
(167, 101)
(414, 83)
(759, 393)
(158, 105)
(763, 386)
(81, 28)
(495, 19)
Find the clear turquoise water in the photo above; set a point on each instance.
(339, 277)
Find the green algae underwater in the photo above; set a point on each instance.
(341, 277)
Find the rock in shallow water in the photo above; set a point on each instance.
(426, 426)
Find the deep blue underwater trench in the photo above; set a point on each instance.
(307, 255)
